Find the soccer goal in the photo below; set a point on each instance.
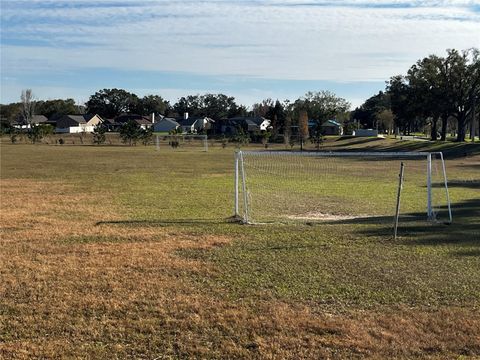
(181, 141)
(281, 186)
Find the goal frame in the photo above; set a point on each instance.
(204, 139)
(240, 180)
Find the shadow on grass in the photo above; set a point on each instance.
(165, 222)
(471, 166)
(469, 184)
(358, 141)
(467, 253)
(464, 231)
(450, 150)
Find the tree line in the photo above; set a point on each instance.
(435, 92)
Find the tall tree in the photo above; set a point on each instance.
(474, 74)
(154, 104)
(110, 103)
(272, 110)
(264, 108)
(10, 112)
(367, 113)
(385, 121)
(429, 91)
(216, 106)
(57, 106)
(303, 127)
(28, 105)
(463, 83)
(402, 103)
(322, 105)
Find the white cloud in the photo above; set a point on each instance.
(292, 40)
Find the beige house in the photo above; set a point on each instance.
(78, 123)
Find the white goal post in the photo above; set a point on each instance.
(284, 186)
(191, 141)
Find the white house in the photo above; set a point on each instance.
(249, 124)
(77, 123)
(195, 124)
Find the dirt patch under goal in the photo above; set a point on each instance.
(326, 217)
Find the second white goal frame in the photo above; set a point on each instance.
(183, 137)
(240, 181)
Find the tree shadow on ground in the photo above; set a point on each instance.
(463, 231)
(449, 150)
(359, 141)
(471, 166)
(470, 184)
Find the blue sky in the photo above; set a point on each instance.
(251, 49)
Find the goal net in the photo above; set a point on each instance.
(281, 186)
(181, 141)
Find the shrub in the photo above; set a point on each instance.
(99, 134)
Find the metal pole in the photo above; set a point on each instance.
(244, 189)
(157, 143)
(446, 188)
(236, 185)
(429, 187)
(397, 211)
(206, 143)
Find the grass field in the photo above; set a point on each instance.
(125, 252)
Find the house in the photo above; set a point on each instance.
(165, 125)
(77, 123)
(188, 125)
(22, 123)
(331, 127)
(204, 123)
(195, 124)
(247, 124)
(111, 125)
(143, 121)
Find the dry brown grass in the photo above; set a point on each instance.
(74, 289)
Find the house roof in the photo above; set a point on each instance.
(123, 118)
(191, 119)
(78, 118)
(36, 119)
(331, 123)
(39, 119)
(257, 120)
(169, 120)
(187, 122)
(143, 121)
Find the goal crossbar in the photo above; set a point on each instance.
(416, 154)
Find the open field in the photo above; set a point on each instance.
(124, 252)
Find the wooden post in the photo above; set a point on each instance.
(397, 211)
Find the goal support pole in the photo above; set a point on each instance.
(244, 189)
(429, 187)
(236, 185)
